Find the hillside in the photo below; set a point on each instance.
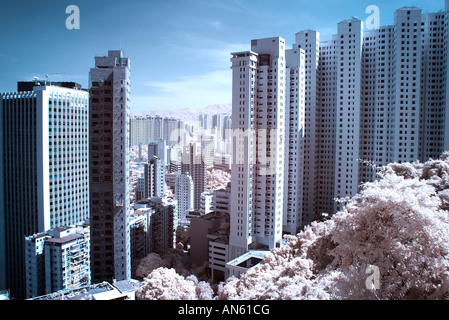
(190, 115)
(394, 235)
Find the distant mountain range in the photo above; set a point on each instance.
(189, 115)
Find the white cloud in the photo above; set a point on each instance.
(208, 52)
(216, 24)
(196, 91)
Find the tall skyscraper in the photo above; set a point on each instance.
(205, 121)
(381, 98)
(194, 163)
(208, 147)
(43, 169)
(144, 129)
(159, 149)
(151, 182)
(184, 191)
(109, 84)
(377, 96)
(258, 113)
(293, 218)
(348, 108)
(155, 175)
(308, 40)
(173, 131)
(326, 89)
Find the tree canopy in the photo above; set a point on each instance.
(397, 226)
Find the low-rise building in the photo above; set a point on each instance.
(243, 263)
(118, 290)
(156, 220)
(57, 259)
(207, 202)
(209, 236)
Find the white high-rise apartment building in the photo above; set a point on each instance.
(384, 65)
(295, 139)
(326, 139)
(207, 202)
(159, 149)
(193, 163)
(184, 194)
(158, 128)
(308, 40)
(406, 114)
(144, 129)
(43, 168)
(382, 97)
(139, 131)
(349, 76)
(173, 129)
(371, 96)
(434, 36)
(258, 123)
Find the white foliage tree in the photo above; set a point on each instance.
(398, 224)
(217, 179)
(166, 284)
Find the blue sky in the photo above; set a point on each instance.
(179, 49)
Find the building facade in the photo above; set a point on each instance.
(184, 195)
(109, 84)
(293, 218)
(193, 162)
(381, 97)
(43, 168)
(363, 99)
(308, 40)
(207, 202)
(144, 129)
(155, 221)
(67, 260)
(258, 123)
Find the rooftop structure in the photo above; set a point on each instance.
(119, 290)
(244, 262)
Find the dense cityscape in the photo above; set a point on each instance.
(265, 198)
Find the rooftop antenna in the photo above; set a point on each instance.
(36, 79)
